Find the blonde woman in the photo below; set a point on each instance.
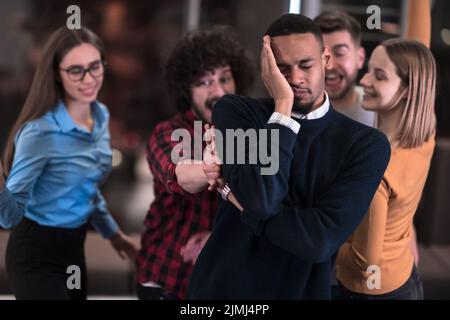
(400, 87)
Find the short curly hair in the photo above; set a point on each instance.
(201, 51)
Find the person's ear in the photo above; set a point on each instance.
(361, 56)
(327, 58)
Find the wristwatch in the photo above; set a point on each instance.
(225, 191)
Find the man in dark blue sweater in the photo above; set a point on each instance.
(276, 236)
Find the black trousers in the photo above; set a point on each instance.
(46, 263)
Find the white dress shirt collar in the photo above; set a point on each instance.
(316, 114)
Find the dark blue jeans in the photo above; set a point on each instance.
(411, 290)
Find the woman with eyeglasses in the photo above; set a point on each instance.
(57, 156)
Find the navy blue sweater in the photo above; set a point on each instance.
(284, 243)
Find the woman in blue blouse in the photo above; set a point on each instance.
(57, 156)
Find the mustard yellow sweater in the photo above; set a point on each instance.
(384, 236)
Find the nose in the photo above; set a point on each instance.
(335, 62)
(365, 80)
(88, 78)
(296, 77)
(217, 89)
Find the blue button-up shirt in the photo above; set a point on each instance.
(57, 169)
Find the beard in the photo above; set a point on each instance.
(350, 84)
(204, 112)
(345, 91)
(209, 103)
(305, 107)
(301, 107)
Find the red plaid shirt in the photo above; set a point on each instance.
(174, 216)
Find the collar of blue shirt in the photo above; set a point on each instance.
(66, 123)
(316, 114)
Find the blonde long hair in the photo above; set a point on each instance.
(416, 67)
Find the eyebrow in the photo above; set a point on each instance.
(339, 46)
(226, 70)
(211, 73)
(382, 71)
(303, 61)
(385, 72)
(80, 65)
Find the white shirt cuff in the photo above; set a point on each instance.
(279, 118)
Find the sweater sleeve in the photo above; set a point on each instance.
(368, 239)
(259, 186)
(316, 232)
(419, 21)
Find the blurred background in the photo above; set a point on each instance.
(139, 36)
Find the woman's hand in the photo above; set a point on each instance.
(124, 246)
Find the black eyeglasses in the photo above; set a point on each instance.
(77, 73)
